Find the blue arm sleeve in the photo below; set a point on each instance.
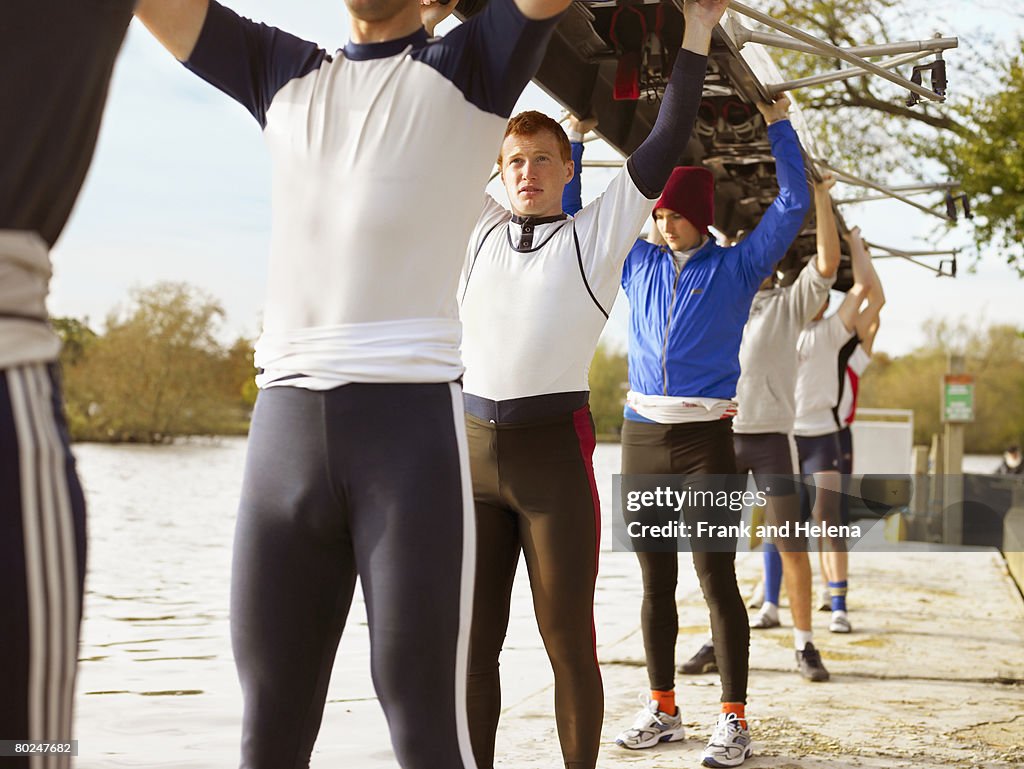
(250, 62)
(492, 56)
(572, 194)
(780, 225)
(651, 164)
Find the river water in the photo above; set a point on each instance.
(157, 685)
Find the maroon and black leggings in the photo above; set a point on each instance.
(533, 484)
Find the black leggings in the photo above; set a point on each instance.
(696, 447)
(534, 490)
(42, 564)
(367, 479)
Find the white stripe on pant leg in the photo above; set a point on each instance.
(468, 578)
(35, 598)
(66, 567)
(37, 387)
(51, 564)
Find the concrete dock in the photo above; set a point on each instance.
(933, 675)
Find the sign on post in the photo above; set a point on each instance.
(958, 398)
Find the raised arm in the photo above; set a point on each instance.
(869, 319)
(780, 225)
(175, 23)
(652, 162)
(863, 282)
(826, 231)
(248, 61)
(572, 194)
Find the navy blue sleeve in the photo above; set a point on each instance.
(492, 56)
(250, 62)
(651, 164)
(572, 193)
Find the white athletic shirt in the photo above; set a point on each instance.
(533, 316)
(379, 157)
(817, 380)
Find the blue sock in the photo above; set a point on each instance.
(838, 591)
(772, 573)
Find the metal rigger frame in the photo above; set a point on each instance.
(795, 39)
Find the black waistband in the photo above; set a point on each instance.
(531, 409)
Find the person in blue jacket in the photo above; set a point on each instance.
(689, 300)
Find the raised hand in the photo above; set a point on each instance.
(704, 12)
(777, 110)
(828, 181)
(580, 126)
(702, 16)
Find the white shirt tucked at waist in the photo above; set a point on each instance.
(320, 358)
(25, 336)
(673, 410)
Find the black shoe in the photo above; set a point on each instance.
(808, 662)
(701, 662)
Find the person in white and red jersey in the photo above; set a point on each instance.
(357, 460)
(854, 358)
(817, 427)
(56, 57)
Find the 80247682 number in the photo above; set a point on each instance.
(13, 748)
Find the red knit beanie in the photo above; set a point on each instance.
(690, 192)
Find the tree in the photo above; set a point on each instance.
(989, 159)
(158, 372)
(995, 356)
(608, 385)
(974, 137)
(75, 336)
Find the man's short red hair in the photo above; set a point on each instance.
(531, 123)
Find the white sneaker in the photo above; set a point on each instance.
(840, 622)
(730, 745)
(767, 617)
(651, 727)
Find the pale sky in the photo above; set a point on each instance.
(180, 190)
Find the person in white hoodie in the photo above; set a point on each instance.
(762, 430)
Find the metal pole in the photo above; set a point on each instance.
(918, 253)
(953, 491)
(844, 74)
(909, 189)
(897, 254)
(746, 35)
(937, 487)
(843, 176)
(833, 50)
(936, 187)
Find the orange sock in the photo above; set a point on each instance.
(666, 701)
(739, 709)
